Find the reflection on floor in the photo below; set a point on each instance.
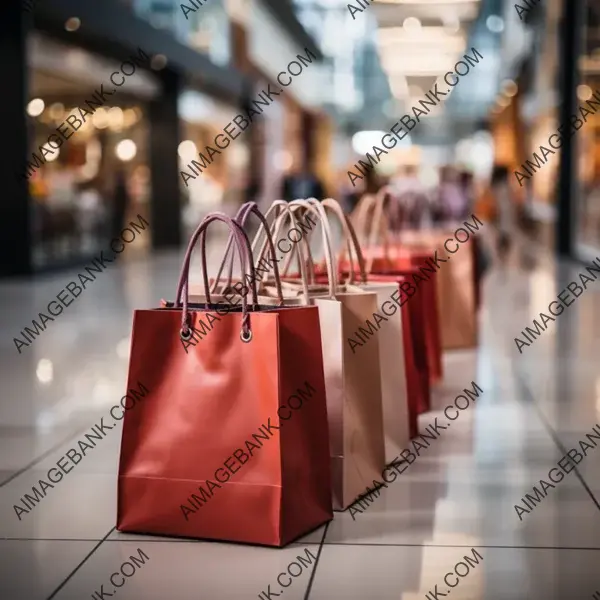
(448, 525)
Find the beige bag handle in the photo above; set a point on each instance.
(314, 206)
(377, 228)
(301, 248)
(265, 229)
(330, 289)
(352, 242)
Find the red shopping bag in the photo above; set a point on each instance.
(385, 256)
(408, 263)
(231, 440)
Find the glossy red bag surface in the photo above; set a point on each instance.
(231, 441)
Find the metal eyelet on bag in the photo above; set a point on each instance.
(246, 336)
(186, 337)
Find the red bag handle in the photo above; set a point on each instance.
(240, 237)
(241, 217)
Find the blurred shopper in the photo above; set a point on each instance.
(497, 206)
(349, 194)
(302, 184)
(407, 179)
(467, 185)
(120, 202)
(452, 198)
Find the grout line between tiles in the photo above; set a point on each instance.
(65, 581)
(312, 574)
(41, 457)
(462, 546)
(405, 545)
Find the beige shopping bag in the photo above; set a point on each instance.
(389, 338)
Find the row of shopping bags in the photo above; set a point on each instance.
(276, 397)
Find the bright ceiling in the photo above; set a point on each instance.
(429, 35)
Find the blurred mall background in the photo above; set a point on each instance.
(209, 62)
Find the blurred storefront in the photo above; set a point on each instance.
(223, 186)
(70, 195)
(74, 208)
(588, 170)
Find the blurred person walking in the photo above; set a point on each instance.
(467, 185)
(497, 206)
(452, 197)
(120, 202)
(303, 183)
(410, 198)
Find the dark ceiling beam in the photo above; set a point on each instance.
(283, 11)
(111, 29)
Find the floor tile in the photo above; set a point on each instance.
(408, 573)
(31, 570)
(192, 570)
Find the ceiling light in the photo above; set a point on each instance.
(57, 111)
(129, 117)
(44, 371)
(126, 150)
(495, 24)
(52, 152)
(158, 62)
(412, 25)
(584, 92)
(187, 150)
(509, 88)
(451, 24)
(72, 24)
(35, 107)
(503, 101)
(100, 118)
(363, 141)
(116, 119)
(425, 2)
(434, 36)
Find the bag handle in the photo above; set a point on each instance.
(378, 225)
(241, 217)
(240, 239)
(299, 247)
(351, 239)
(314, 206)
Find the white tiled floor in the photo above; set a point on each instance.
(460, 494)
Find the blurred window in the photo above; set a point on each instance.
(207, 29)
